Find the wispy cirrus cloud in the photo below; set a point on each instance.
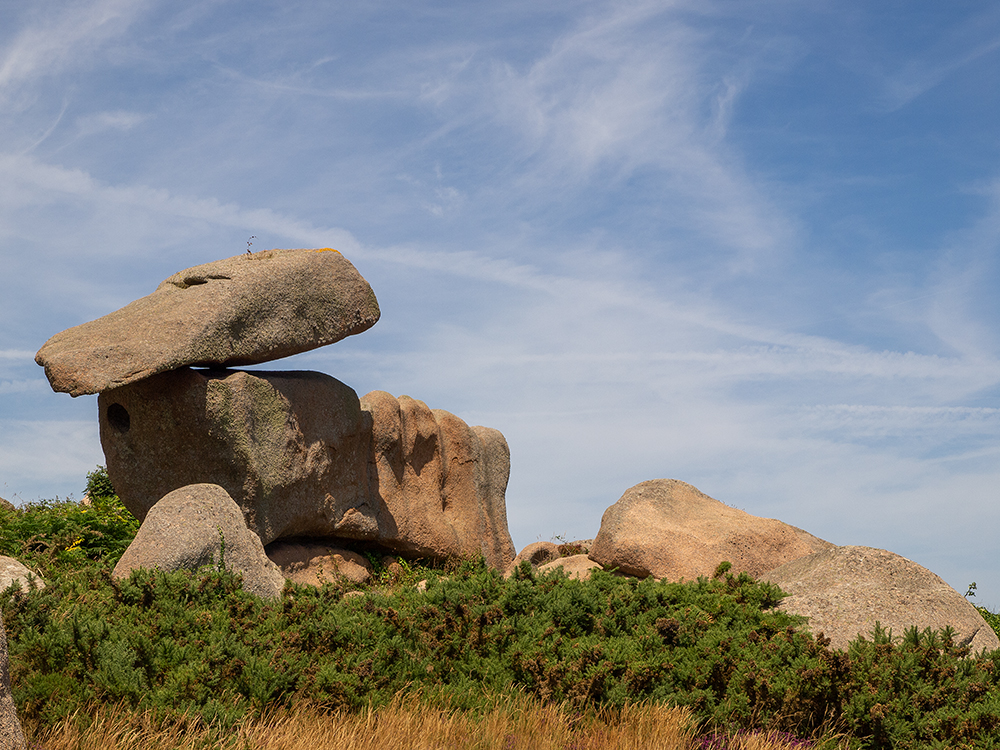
(49, 42)
(639, 88)
(100, 122)
(943, 56)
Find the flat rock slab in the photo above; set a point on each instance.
(668, 529)
(844, 591)
(239, 311)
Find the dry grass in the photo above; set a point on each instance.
(513, 724)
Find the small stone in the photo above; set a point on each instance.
(574, 566)
(313, 563)
(536, 553)
(12, 570)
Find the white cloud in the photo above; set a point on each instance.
(638, 89)
(16, 354)
(29, 181)
(58, 39)
(100, 122)
(935, 66)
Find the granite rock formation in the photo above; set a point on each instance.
(440, 484)
(668, 529)
(298, 451)
(201, 525)
(844, 591)
(302, 456)
(239, 311)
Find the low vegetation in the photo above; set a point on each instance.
(514, 723)
(178, 659)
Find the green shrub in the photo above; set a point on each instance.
(99, 484)
(992, 619)
(196, 643)
(56, 535)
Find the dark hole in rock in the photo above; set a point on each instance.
(118, 418)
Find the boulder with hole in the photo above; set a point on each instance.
(303, 456)
(668, 529)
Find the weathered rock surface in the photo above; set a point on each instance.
(668, 529)
(313, 564)
(439, 482)
(289, 447)
(13, 570)
(11, 736)
(186, 529)
(6, 504)
(304, 457)
(844, 591)
(238, 311)
(574, 566)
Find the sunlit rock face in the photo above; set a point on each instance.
(299, 452)
(244, 310)
(845, 591)
(303, 456)
(668, 529)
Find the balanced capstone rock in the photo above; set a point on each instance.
(239, 311)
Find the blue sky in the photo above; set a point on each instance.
(751, 246)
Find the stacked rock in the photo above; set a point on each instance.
(299, 453)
